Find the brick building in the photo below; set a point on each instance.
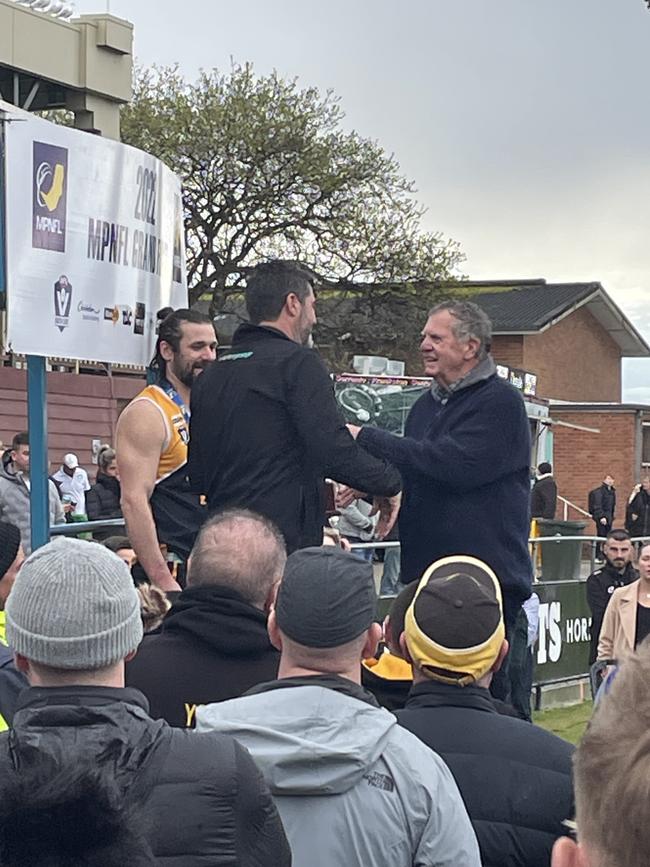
(572, 337)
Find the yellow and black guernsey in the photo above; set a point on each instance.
(177, 511)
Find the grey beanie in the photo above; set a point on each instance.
(73, 605)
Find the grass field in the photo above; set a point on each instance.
(566, 722)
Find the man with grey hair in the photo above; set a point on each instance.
(73, 618)
(213, 644)
(464, 459)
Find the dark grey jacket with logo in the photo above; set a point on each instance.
(202, 798)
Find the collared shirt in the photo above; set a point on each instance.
(483, 370)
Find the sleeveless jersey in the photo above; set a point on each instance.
(177, 512)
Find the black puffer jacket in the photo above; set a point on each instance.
(212, 646)
(203, 799)
(515, 778)
(103, 499)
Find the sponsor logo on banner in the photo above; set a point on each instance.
(111, 314)
(138, 325)
(50, 196)
(88, 311)
(62, 302)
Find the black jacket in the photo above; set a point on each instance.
(600, 586)
(203, 799)
(103, 499)
(639, 506)
(543, 498)
(12, 683)
(266, 432)
(604, 503)
(515, 778)
(211, 646)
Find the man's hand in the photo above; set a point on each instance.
(345, 496)
(354, 429)
(603, 520)
(388, 508)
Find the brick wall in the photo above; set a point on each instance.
(575, 359)
(80, 408)
(508, 349)
(581, 460)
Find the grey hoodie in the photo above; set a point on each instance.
(14, 503)
(352, 786)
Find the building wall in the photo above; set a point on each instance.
(582, 460)
(80, 408)
(575, 359)
(508, 349)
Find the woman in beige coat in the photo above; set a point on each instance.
(627, 617)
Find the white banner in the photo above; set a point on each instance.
(94, 243)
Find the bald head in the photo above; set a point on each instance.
(241, 550)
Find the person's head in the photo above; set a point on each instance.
(12, 557)
(454, 630)
(394, 620)
(456, 337)
(121, 545)
(643, 563)
(609, 480)
(544, 469)
(69, 816)
(618, 549)
(186, 345)
(107, 462)
(70, 464)
(323, 620)
(611, 769)
(154, 604)
(281, 293)
(240, 550)
(20, 451)
(645, 484)
(73, 615)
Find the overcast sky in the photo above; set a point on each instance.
(525, 124)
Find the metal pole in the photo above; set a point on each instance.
(38, 465)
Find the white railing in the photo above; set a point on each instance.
(567, 504)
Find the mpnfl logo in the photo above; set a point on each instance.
(50, 196)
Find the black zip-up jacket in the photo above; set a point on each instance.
(211, 646)
(203, 799)
(514, 777)
(640, 507)
(266, 432)
(600, 585)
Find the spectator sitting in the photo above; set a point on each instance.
(12, 681)
(611, 769)
(103, 498)
(352, 787)
(73, 617)
(213, 644)
(515, 778)
(75, 817)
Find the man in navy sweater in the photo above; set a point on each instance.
(464, 458)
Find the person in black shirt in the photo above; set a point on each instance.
(265, 428)
(617, 572)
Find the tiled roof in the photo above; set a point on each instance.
(530, 308)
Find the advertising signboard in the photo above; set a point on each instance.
(562, 649)
(94, 243)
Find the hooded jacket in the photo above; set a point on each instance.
(266, 431)
(352, 787)
(12, 681)
(14, 504)
(212, 646)
(515, 778)
(203, 799)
